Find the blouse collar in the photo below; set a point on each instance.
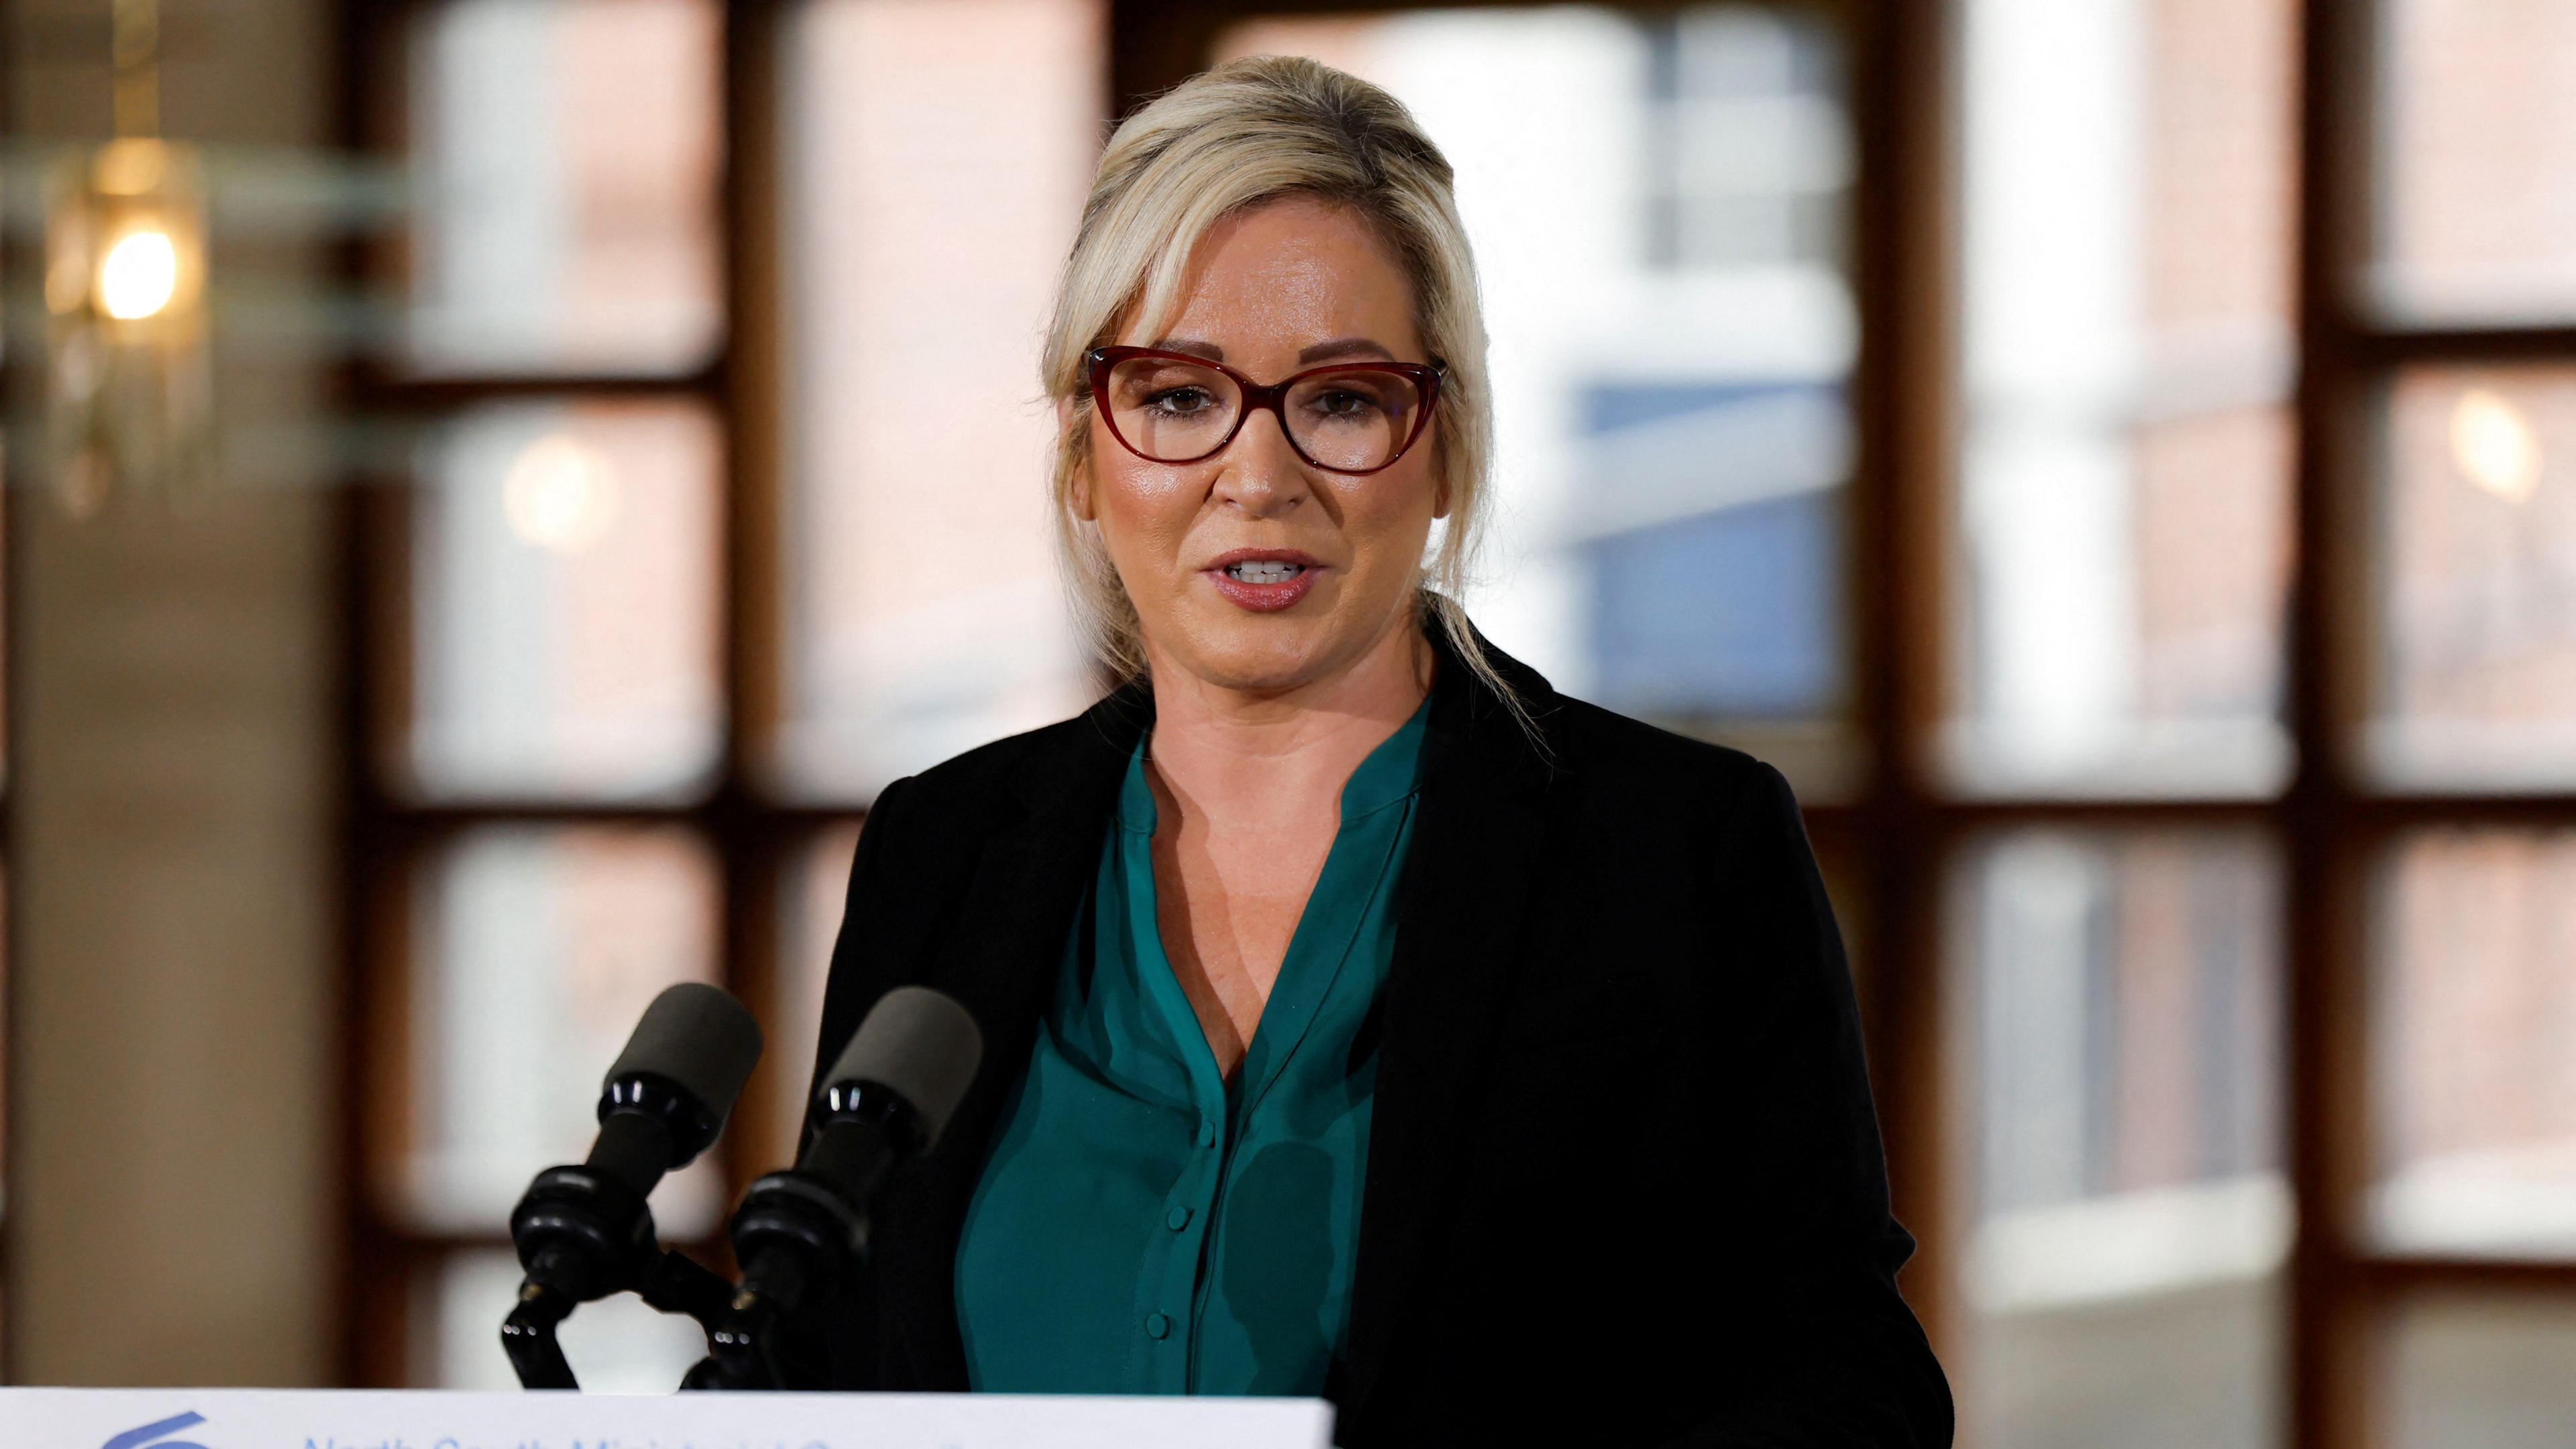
(1391, 773)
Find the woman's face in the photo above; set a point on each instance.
(1270, 292)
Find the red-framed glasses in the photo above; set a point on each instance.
(1343, 417)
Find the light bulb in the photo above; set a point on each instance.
(139, 275)
(2494, 446)
(560, 494)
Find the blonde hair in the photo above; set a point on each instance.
(1248, 132)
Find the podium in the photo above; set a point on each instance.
(404, 1419)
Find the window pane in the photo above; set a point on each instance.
(564, 602)
(1847, 887)
(2483, 1372)
(817, 885)
(2477, 571)
(1659, 207)
(2477, 207)
(615, 1346)
(2117, 1026)
(534, 952)
(2125, 488)
(2476, 1045)
(567, 155)
(940, 152)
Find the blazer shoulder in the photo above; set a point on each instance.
(1609, 753)
(983, 778)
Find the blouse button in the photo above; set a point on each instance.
(1177, 1219)
(1158, 1326)
(1207, 1132)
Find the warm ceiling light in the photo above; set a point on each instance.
(2494, 446)
(560, 493)
(139, 275)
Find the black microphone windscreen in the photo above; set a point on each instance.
(698, 1038)
(923, 1046)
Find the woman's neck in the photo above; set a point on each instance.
(1234, 754)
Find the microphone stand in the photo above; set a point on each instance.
(672, 1281)
(584, 1232)
(794, 1233)
(805, 1231)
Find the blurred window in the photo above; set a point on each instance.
(2477, 579)
(535, 949)
(1658, 203)
(2486, 1372)
(2459, 310)
(1747, 140)
(554, 769)
(565, 157)
(815, 887)
(2477, 205)
(2474, 1019)
(2449, 342)
(2119, 1039)
(1840, 866)
(555, 590)
(2129, 190)
(564, 602)
(599, 754)
(938, 156)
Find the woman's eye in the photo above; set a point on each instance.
(1344, 404)
(1180, 400)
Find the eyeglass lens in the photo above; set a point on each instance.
(1170, 411)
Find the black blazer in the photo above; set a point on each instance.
(1624, 1184)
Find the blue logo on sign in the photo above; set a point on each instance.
(137, 1438)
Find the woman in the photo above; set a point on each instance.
(1362, 1017)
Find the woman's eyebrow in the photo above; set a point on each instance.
(1320, 352)
(1344, 347)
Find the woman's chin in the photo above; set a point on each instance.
(1266, 653)
(1258, 667)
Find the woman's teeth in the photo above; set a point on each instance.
(1263, 571)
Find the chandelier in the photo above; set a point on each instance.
(129, 393)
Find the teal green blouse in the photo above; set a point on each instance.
(1144, 1225)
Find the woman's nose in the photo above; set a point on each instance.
(1259, 472)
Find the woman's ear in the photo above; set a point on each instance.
(1078, 487)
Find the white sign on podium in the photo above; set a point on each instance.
(331, 1419)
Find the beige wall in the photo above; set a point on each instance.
(172, 1190)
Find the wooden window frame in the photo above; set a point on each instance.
(755, 837)
(2338, 827)
(1901, 834)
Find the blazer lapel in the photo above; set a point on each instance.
(1474, 855)
(1000, 962)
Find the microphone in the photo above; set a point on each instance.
(893, 1089)
(884, 1102)
(584, 1232)
(667, 1096)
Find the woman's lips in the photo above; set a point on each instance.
(1264, 585)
